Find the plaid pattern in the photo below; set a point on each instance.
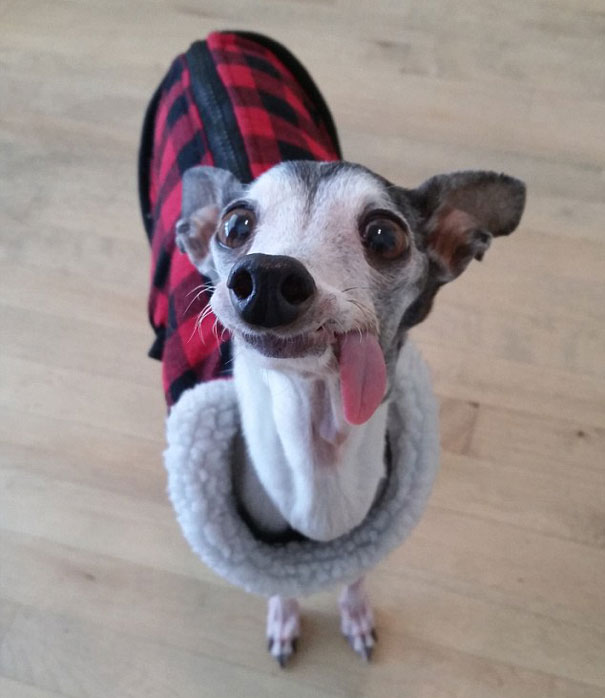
(271, 110)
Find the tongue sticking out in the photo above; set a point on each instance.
(363, 376)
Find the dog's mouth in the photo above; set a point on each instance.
(321, 345)
(357, 354)
(307, 344)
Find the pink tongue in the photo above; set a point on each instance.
(363, 376)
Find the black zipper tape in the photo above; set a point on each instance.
(220, 125)
(144, 164)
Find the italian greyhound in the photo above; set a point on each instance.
(319, 270)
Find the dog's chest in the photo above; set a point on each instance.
(321, 475)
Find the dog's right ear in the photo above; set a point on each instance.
(206, 191)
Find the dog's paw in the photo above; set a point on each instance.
(283, 628)
(357, 620)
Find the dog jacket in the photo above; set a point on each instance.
(242, 102)
(237, 101)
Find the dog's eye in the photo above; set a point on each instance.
(236, 226)
(385, 238)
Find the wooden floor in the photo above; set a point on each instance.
(501, 589)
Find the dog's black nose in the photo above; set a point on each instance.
(270, 290)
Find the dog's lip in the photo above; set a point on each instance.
(310, 343)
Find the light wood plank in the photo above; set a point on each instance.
(100, 458)
(84, 659)
(112, 603)
(16, 689)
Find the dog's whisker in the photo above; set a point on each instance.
(215, 330)
(194, 290)
(198, 323)
(356, 288)
(207, 286)
(197, 297)
(360, 306)
(197, 328)
(203, 315)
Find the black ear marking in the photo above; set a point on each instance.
(182, 229)
(483, 241)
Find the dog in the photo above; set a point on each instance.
(318, 270)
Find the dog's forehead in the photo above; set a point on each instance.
(312, 190)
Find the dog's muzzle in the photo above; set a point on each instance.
(270, 290)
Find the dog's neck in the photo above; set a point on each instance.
(321, 474)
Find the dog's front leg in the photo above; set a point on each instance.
(357, 619)
(283, 628)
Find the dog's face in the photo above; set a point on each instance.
(311, 253)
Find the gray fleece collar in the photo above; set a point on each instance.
(201, 430)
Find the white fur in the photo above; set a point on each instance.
(320, 472)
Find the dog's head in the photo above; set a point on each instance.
(320, 266)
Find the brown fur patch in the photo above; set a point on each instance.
(202, 224)
(450, 238)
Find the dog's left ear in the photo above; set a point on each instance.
(206, 191)
(461, 212)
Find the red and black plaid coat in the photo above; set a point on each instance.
(237, 101)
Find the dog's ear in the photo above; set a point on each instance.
(206, 190)
(461, 212)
